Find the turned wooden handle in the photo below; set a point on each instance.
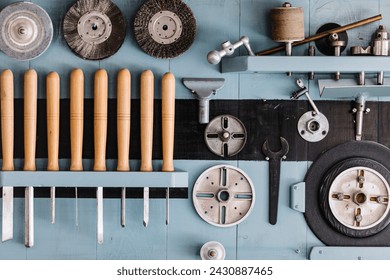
(76, 119)
(53, 119)
(147, 100)
(100, 119)
(168, 120)
(30, 118)
(7, 119)
(123, 118)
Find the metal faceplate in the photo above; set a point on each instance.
(223, 195)
(225, 135)
(313, 127)
(94, 27)
(358, 198)
(165, 27)
(26, 30)
(212, 250)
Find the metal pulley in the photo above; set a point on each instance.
(212, 250)
(223, 195)
(225, 136)
(26, 30)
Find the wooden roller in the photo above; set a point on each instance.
(287, 24)
(147, 105)
(76, 119)
(30, 132)
(53, 120)
(7, 142)
(168, 120)
(100, 139)
(123, 118)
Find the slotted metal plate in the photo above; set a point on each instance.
(223, 195)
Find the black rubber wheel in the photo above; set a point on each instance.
(330, 177)
(314, 178)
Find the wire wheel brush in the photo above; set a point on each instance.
(164, 28)
(94, 29)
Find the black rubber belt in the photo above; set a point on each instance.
(314, 177)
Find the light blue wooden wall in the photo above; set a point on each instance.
(218, 20)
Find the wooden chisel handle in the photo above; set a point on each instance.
(100, 119)
(147, 105)
(76, 119)
(168, 120)
(123, 118)
(7, 119)
(53, 119)
(30, 118)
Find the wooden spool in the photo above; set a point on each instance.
(287, 24)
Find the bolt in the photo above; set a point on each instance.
(380, 199)
(368, 110)
(287, 5)
(340, 196)
(297, 251)
(296, 206)
(267, 158)
(226, 135)
(212, 253)
(359, 258)
(358, 218)
(320, 252)
(284, 157)
(361, 179)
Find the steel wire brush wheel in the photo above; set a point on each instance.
(164, 28)
(94, 29)
(26, 30)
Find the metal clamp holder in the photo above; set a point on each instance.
(360, 109)
(313, 126)
(227, 49)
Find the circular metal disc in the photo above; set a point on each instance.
(165, 27)
(324, 45)
(358, 198)
(225, 135)
(94, 29)
(223, 195)
(313, 127)
(26, 30)
(212, 250)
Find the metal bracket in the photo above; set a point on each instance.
(203, 88)
(297, 197)
(350, 253)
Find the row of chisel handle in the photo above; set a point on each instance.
(76, 134)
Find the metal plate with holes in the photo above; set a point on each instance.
(225, 135)
(223, 195)
(165, 27)
(94, 27)
(26, 30)
(313, 127)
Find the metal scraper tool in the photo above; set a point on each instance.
(168, 127)
(100, 139)
(7, 140)
(123, 130)
(30, 133)
(147, 105)
(76, 124)
(53, 130)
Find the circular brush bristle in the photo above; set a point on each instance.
(156, 49)
(90, 50)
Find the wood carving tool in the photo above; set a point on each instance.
(7, 140)
(168, 127)
(76, 124)
(123, 130)
(100, 139)
(30, 133)
(94, 29)
(164, 29)
(53, 130)
(27, 30)
(147, 105)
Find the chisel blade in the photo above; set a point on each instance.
(99, 207)
(146, 206)
(29, 217)
(53, 204)
(8, 214)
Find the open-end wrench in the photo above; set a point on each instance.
(274, 159)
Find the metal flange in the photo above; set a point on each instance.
(225, 135)
(313, 126)
(223, 195)
(212, 250)
(26, 30)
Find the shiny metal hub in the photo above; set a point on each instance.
(165, 27)
(358, 198)
(225, 136)
(94, 27)
(223, 195)
(312, 126)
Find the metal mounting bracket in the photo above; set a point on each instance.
(297, 197)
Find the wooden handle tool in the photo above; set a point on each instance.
(168, 127)
(123, 129)
(30, 131)
(7, 140)
(147, 105)
(53, 130)
(100, 139)
(76, 125)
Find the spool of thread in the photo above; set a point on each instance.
(287, 24)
